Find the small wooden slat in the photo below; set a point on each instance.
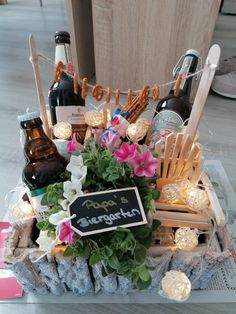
(183, 155)
(173, 207)
(158, 150)
(175, 154)
(189, 162)
(173, 219)
(167, 152)
(197, 170)
(215, 204)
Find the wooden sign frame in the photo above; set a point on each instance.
(133, 224)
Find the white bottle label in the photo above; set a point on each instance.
(63, 53)
(166, 122)
(35, 198)
(70, 114)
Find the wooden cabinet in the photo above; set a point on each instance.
(138, 42)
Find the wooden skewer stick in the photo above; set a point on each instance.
(203, 90)
(42, 105)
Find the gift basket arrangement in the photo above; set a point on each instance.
(112, 201)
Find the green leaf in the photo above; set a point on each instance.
(156, 223)
(94, 259)
(101, 165)
(142, 232)
(123, 269)
(42, 225)
(146, 242)
(141, 285)
(140, 253)
(107, 251)
(84, 252)
(44, 201)
(155, 194)
(114, 262)
(68, 251)
(144, 273)
(112, 177)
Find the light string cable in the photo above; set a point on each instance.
(135, 92)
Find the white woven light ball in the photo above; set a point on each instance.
(94, 118)
(186, 238)
(197, 199)
(176, 286)
(183, 186)
(62, 130)
(170, 192)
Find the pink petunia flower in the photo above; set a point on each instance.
(145, 164)
(74, 145)
(66, 233)
(126, 153)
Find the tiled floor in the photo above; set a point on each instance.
(17, 92)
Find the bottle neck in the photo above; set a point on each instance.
(37, 144)
(63, 54)
(189, 66)
(32, 134)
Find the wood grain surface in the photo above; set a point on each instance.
(80, 22)
(138, 42)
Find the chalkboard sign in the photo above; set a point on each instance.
(105, 211)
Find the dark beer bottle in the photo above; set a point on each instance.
(65, 105)
(44, 164)
(172, 112)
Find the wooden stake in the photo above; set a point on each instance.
(203, 90)
(42, 105)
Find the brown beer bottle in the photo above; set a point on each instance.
(44, 164)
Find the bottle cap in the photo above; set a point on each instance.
(28, 116)
(62, 37)
(192, 52)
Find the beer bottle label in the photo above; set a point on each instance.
(165, 122)
(75, 116)
(70, 114)
(35, 198)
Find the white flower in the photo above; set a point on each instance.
(75, 161)
(77, 168)
(72, 188)
(57, 219)
(66, 202)
(45, 242)
(79, 174)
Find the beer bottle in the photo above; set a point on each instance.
(44, 164)
(172, 112)
(65, 105)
